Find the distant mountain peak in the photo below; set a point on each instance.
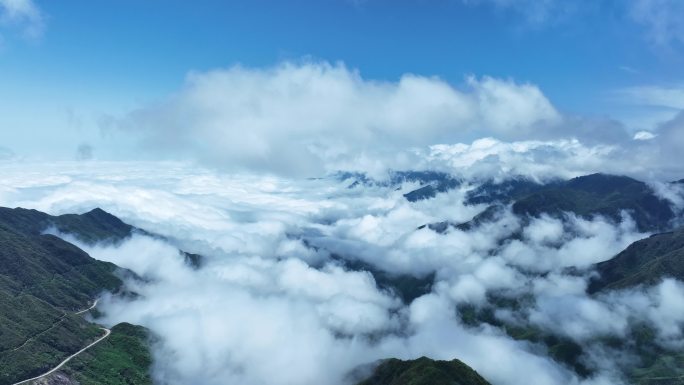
(423, 371)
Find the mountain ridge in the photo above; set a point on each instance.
(44, 280)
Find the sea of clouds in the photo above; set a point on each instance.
(270, 305)
(251, 187)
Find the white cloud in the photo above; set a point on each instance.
(644, 135)
(536, 12)
(507, 107)
(656, 96)
(579, 317)
(492, 158)
(312, 117)
(661, 19)
(585, 318)
(263, 292)
(23, 14)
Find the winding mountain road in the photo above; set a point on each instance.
(88, 309)
(56, 368)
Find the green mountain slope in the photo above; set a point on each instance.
(423, 371)
(504, 191)
(46, 342)
(585, 196)
(93, 226)
(52, 270)
(405, 286)
(644, 262)
(44, 280)
(431, 190)
(122, 359)
(433, 183)
(600, 194)
(647, 262)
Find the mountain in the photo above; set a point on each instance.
(44, 280)
(122, 359)
(405, 286)
(489, 214)
(434, 183)
(600, 194)
(47, 267)
(504, 191)
(398, 177)
(94, 226)
(585, 196)
(423, 371)
(35, 337)
(643, 262)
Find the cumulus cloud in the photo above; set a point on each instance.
(312, 118)
(583, 318)
(540, 160)
(650, 157)
(23, 14)
(306, 118)
(644, 135)
(239, 311)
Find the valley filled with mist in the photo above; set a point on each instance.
(525, 279)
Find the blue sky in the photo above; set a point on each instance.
(72, 61)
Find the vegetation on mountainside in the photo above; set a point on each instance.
(644, 262)
(43, 281)
(423, 371)
(52, 270)
(600, 194)
(433, 182)
(663, 369)
(431, 190)
(504, 191)
(121, 359)
(645, 361)
(562, 349)
(585, 196)
(94, 226)
(35, 349)
(405, 286)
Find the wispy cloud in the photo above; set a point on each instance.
(654, 96)
(629, 70)
(24, 15)
(662, 20)
(535, 12)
